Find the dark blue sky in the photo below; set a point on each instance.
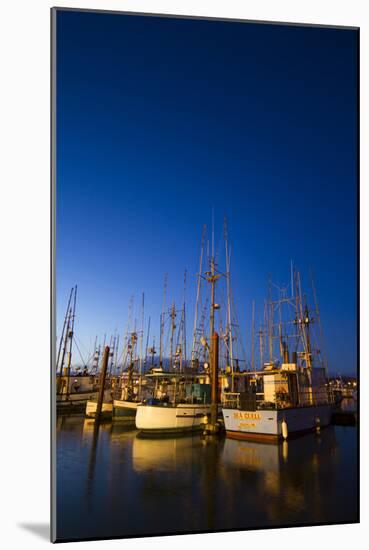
(160, 119)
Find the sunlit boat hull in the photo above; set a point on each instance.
(106, 410)
(161, 419)
(267, 424)
(126, 409)
(76, 397)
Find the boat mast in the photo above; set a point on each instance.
(103, 347)
(116, 359)
(212, 278)
(63, 333)
(280, 327)
(71, 335)
(184, 339)
(317, 313)
(229, 320)
(173, 327)
(131, 350)
(94, 353)
(199, 276)
(270, 319)
(147, 344)
(253, 337)
(96, 357)
(112, 352)
(162, 322)
(141, 342)
(261, 346)
(153, 352)
(303, 320)
(292, 291)
(212, 281)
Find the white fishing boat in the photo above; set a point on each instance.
(281, 400)
(131, 382)
(166, 418)
(76, 387)
(102, 407)
(182, 404)
(186, 400)
(288, 404)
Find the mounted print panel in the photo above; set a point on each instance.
(205, 253)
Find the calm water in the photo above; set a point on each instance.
(114, 483)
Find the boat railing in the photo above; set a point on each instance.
(231, 400)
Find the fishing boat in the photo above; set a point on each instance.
(288, 403)
(73, 387)
(75, 391)
(102, 407)
(130, 383)
(282, 399)
(185, 399)
(182, 404)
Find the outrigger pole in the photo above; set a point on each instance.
(71, 335)
(66, 318)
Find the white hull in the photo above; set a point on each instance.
(91, 407)
(267, 424)
(81, 397)
(171, 419)
(125, 408)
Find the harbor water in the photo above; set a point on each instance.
(112, 482)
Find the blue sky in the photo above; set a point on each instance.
(160, 120)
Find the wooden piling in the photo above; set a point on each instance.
(104, 369)
(214, 357)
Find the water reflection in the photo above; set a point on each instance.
(111, 482)
(95, 428)
(291, 475)
(348, 404)
(162, 455)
